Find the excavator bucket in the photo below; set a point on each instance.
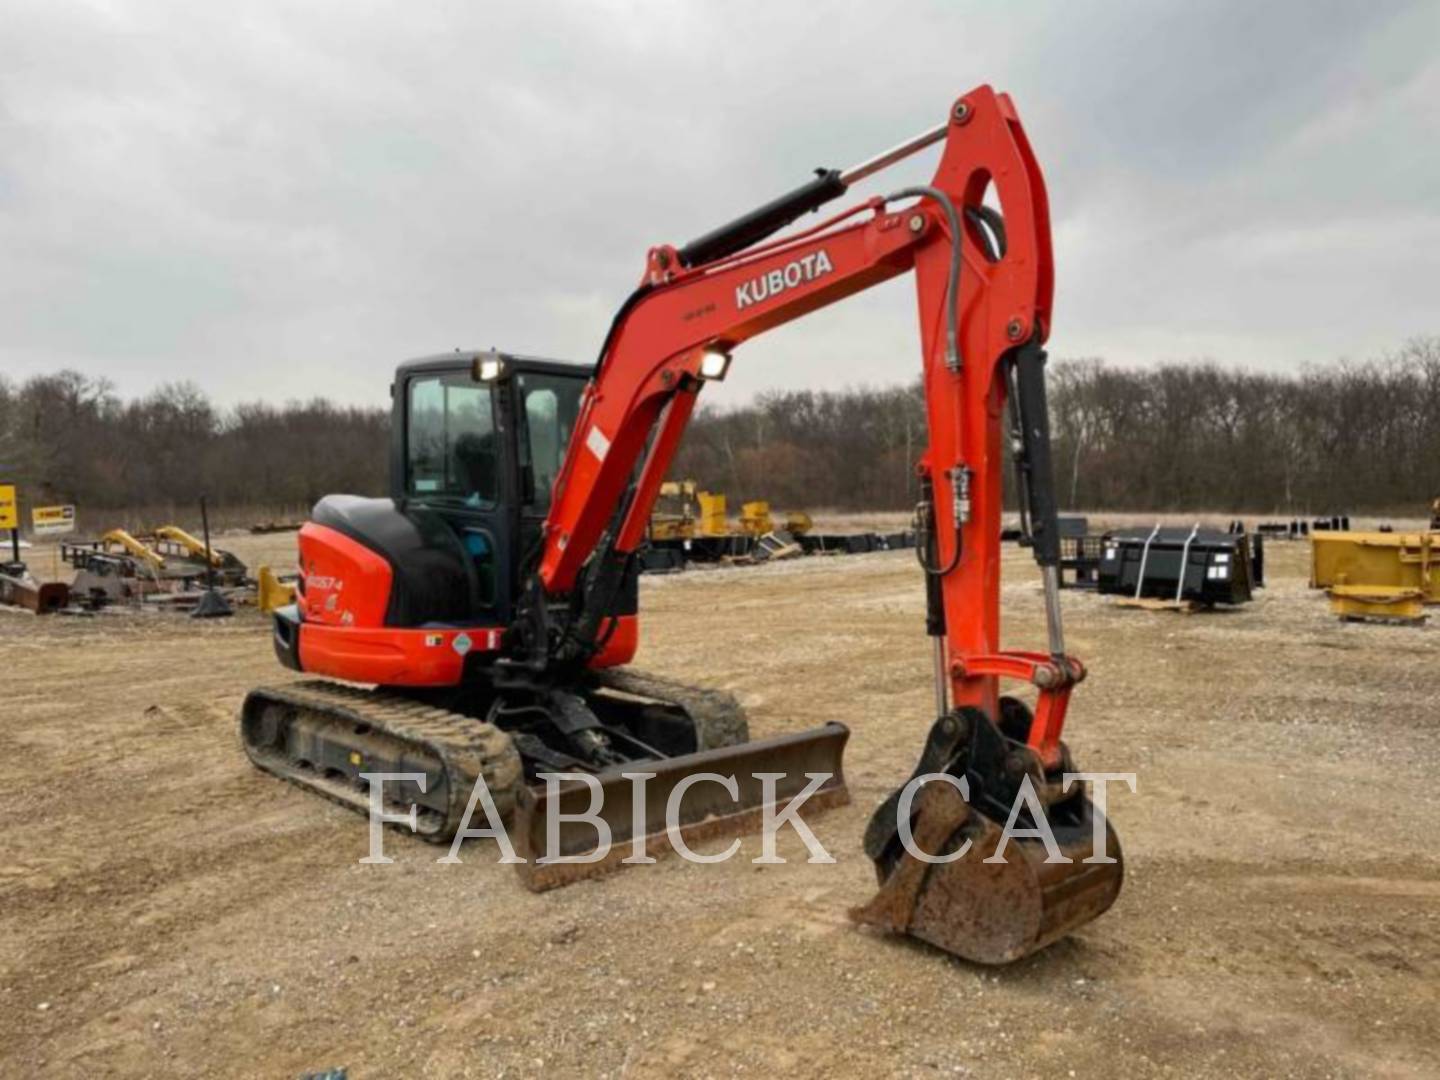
(984, 908)
(686, 800)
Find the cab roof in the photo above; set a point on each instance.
(461, 359)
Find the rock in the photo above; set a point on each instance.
(566, 935)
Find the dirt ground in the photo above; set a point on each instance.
(169, 911)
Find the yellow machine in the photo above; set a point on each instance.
(756, 520)
(166, 558)
(179, 546)
(674, 515)
(798, 522)
(119, 538)
(1377, 602)
(183, 541)
(1377, 575)
(270, 592)
(712, 513)
(685, 512)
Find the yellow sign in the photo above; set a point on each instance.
(9, 507)
(52, 520)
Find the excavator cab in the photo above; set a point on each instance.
(482, 455)
(472, 467)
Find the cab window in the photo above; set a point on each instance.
(551, 405)
(450, 443)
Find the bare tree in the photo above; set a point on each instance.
(1346, 436)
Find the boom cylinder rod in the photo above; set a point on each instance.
(942, 677)
(1054, 629)
(1037, 478)
(900, 152)
(769, 219)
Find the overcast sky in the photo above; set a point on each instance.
(283, 200)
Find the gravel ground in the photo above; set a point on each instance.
(168, 911)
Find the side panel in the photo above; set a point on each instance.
(392, 657)
(344, 582)
(424, 657)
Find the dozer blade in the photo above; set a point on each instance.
(987, 912)
(702, 809)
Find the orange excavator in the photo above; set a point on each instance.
(477, 624)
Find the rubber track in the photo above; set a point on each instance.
(719, 717)
(463, 746)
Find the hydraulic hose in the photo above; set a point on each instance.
(953, 358)
(925, 537)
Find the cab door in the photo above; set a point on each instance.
(455, 460)
(547, 407)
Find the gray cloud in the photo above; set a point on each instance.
(284, 200)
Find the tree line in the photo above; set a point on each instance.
(69, 438)
(1350, 436)
(1347, 436)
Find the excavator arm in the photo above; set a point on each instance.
(984, 282)
(982, 318)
